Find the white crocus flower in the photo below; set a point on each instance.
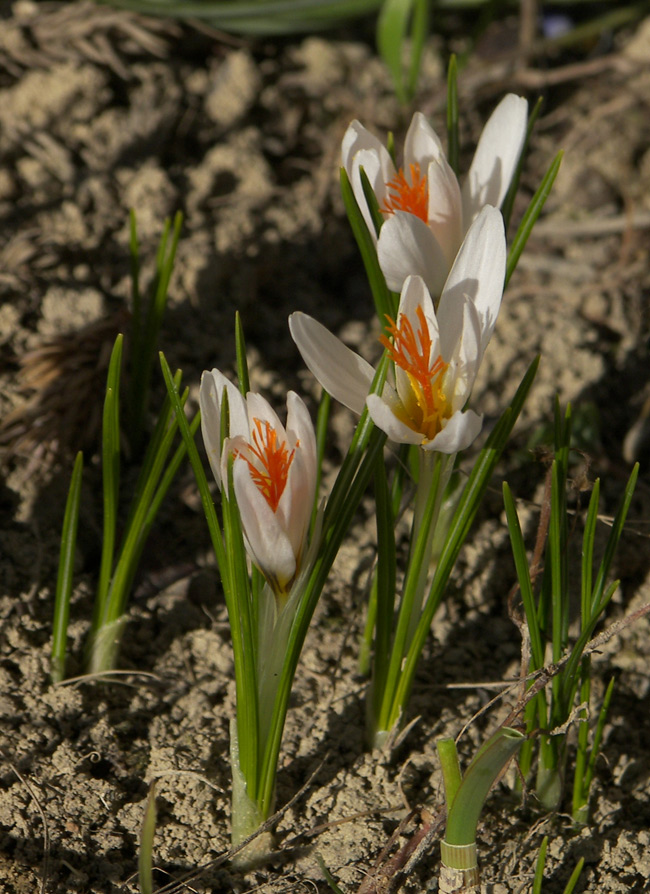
(274, 474)
(436, 354)
(426, 212)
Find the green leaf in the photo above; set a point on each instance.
(145, 856)
(478, 779)
(66, 572)
(539, 867)
(588, 541)
(110, 473)
(612, 542)
(530, 217)
(145, 336)
(385, 301)
(371, 201)
(575, 875)
(329, 878)
(448, 755)
(242, 359)
(398, 20)
(523, 577)
(385, 581)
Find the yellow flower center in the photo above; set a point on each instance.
(269, 462)
(427, 406)
(410, 195)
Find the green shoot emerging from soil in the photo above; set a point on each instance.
(121, 554)
(546, 599)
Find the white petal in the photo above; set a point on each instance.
(296, 503)
(465, 357)
(362, 149)
(422, 144)
(341, 372)
(356, 139)
(479, 271)
(496, 157)
(415, 294)
(267, 542)
(301, 483)
(259, 408)
(213, 385)
(384, 418)
(300, 431)
(459, 432)
(445, 211)
(407, 246)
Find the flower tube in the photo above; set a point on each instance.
(273, 474)
(426, 212)
(436, 354)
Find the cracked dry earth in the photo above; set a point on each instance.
(102, 111)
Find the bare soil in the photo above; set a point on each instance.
(102, 111)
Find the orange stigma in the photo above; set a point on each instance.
(269, 462)
(427, 406)
(412, 196)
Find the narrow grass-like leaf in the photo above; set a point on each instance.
(582, 749)
(145, 856)
(385, 582)
(523, 576)
(146, 346)
(575, 875)
(384, 301)
(399, 22)
(256, 16)
(329, 878)
(66, 572)
(588, 540)
(419, 34)
(160, 431)
(371, 201)
(530, 217)
(598, 738)
(453, 144)
(244, 638)
(142, 519)
(242, 359)
(558, 595)
(410, 602)
(612, 541)
(197, 467)
(448, 755)
(539, 867)
(322, 422)
(110, 473)
(392, 27)
(600, 599)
